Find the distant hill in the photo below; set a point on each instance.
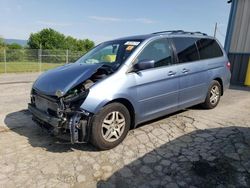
(18, 41)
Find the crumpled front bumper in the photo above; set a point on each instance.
(53, 121)
(78, 124)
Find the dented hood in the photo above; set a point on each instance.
(64, 78)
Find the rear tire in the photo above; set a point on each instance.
(213, 95)
(110, 126)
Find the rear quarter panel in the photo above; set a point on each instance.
(217, 69)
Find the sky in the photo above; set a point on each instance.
(102, 20)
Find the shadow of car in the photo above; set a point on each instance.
(21, 123)
(217, 157)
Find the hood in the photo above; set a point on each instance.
(64, 78)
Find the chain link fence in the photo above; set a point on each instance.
(34, 60)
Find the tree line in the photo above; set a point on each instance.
(50, 39)
(46, 39)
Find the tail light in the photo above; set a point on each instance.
(228, 65)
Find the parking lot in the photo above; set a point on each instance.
(191, 148)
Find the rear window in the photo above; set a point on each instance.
(186, 49)
(209, 48)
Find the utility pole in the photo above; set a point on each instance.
(215, 29)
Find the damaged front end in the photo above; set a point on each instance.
(61, 114)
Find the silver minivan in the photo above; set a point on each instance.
(124, 82)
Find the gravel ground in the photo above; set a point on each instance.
(191, 148)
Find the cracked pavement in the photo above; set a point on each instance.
(191, 148)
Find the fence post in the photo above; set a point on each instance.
(40, 59)
(4, 59)
(67, 56)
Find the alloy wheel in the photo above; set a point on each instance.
(113, 126)
(214, 95)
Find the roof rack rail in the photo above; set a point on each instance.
(180, 32)
(170, 31)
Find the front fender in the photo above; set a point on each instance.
(94, 104)
(112, 88)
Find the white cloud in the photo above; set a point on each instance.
(53, 24)
(115, 19)
(109, 19)
(145, 20)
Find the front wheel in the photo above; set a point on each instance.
(110, 126)
(213, 95)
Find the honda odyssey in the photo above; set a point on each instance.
(122, 83)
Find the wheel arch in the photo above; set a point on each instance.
(221, 83)
(129, 106)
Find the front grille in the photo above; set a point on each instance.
(45, 105)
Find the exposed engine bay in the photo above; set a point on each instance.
(61, 114)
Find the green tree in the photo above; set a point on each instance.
(1, 49)
(70, 44)
(2, 44)
(85, 45)
(51, 39)
(14, 52)
(88, 44)
(14, 46)
(47, 39)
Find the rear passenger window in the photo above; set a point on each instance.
(209, 48)
(186, 49)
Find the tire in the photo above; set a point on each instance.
(108, 130)
(212, 92)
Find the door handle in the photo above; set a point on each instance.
(185, 70)
(171, 73)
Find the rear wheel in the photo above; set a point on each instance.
(110, 126)
(213, 95)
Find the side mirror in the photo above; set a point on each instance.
(144, 64)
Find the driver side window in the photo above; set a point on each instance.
(159, 51)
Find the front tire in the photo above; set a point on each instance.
(213, 95)
(110, 126)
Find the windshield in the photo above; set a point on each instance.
(113, 53)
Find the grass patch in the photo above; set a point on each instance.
(16, 67)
